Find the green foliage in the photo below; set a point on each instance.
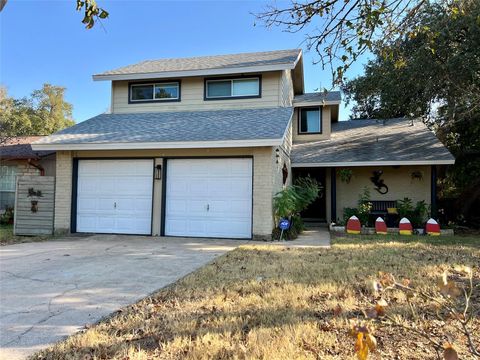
(435, 74)
(345, 175)
(7, 217)
(295, 198)
(91, 11)
(416, 214)
(288, 203)
(340, 32)
(364, 206)
(362, 212)
(292, 233)
(348, 213)
(43, 113)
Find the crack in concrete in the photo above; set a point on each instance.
(51, 315)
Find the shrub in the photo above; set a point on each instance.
(364, 206)
(7, 217)
(416, 214)
(348, 213)
(288, 203)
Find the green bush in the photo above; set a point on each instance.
(364, 206)
(348, 213)
(7, 217)
(288, 203)
(416, 214)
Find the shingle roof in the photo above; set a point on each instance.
(18, 148)
(367, 141)
(318, 97)
(244, 60)
(185, 126)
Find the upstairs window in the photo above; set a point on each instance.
(167, 91)
(232, 88)
(310, 121)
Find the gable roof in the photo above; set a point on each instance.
(206, 65)
(374, 142)
(19, 148)
(318, 97)
(164, 130)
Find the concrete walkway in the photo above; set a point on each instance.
(51, 289)
(312, 237)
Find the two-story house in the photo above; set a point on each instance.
(199, 146)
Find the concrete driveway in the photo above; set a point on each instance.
(52, 289)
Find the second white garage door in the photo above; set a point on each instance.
(209, 198)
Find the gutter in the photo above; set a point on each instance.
(39, 167)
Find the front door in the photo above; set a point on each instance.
(317, 211)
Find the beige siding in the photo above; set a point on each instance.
(286, 88)
(63, 191)
(326, 127)
(192, 97)
(398, 180)
(262, 181)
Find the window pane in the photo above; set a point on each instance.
(166, 91)
(7, 177)
(246, 87)
(7, 199)
(142, 92)
(310, 121)
(219, 88)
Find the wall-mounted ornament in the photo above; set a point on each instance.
(379, 183)
(345, 175)
(34, 207)
(416, 175)
(285, 173)
(33, 192)
(277, 155)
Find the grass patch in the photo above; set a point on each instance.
(272, 302)
(7, 237)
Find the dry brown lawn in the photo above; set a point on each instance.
(271, 302)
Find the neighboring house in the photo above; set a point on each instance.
(16, 159)
(199, 146)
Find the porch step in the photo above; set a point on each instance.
(315, 224)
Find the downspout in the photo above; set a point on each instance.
(39, 167)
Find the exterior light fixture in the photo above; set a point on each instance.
(158, 172)
(277, 155)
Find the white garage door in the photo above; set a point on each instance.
(209, 198)
(114, 196)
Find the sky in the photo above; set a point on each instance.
(44, 41)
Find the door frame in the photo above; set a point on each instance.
(73, 207)
(164, 188)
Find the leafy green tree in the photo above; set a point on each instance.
(90, 9)
(435, 74)
(43, 113)
(342, 30)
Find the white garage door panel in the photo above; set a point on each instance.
(114, 196)
(209, 198)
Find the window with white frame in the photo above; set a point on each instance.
(232, 88)
(168, 91)
(8, 175)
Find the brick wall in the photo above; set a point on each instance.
(63, 191)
